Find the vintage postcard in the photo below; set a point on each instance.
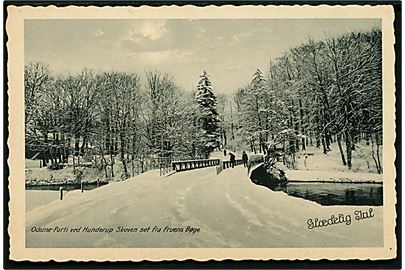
(218, 132)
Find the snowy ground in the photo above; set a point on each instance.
(36, 175)
(37, 198)
(229, 210)
(362, 161)
(329, 167)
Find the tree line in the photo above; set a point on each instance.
(101, 117)
(323, 92)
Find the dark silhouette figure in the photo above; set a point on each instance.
(245, 159)
(232, 159)
(224, 152)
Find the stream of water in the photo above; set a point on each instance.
(324, 193)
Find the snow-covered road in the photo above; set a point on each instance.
(229, 210)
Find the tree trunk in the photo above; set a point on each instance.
(260, 143)
(354, 140)
(377, 165)
(50, 150)
(43, 156)
(84, 144)
(265, 149)
(133, 167)
(111, 150)
(342, 154)
(66, 149)
(124, 164)
(302, 124)
(327, 140)
(133, 155)
(77, 141)
(232, 127)
(324, 145)
(74, 165)
(376, 157)
(104, 165)
(112, 165)
(349, 149)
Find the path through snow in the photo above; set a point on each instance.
(228, 208)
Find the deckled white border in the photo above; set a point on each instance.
(15, 46)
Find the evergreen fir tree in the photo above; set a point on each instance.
(209, 118)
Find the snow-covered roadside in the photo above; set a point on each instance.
(38, 198)
(228, 208)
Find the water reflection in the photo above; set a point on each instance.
(324, 193)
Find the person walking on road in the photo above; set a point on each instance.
(245, 159)
(232, 159)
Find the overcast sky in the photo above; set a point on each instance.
(229, 50)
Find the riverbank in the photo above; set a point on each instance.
(36, 176)
(313, 165)
(329, 176)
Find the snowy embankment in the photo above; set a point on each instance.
(317, 166)
(228, 208)
(325, 176)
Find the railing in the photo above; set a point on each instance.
(253, 160)
(144, 164)
(256, 160)
(227, 164)
(164, 165)
(185, 165)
